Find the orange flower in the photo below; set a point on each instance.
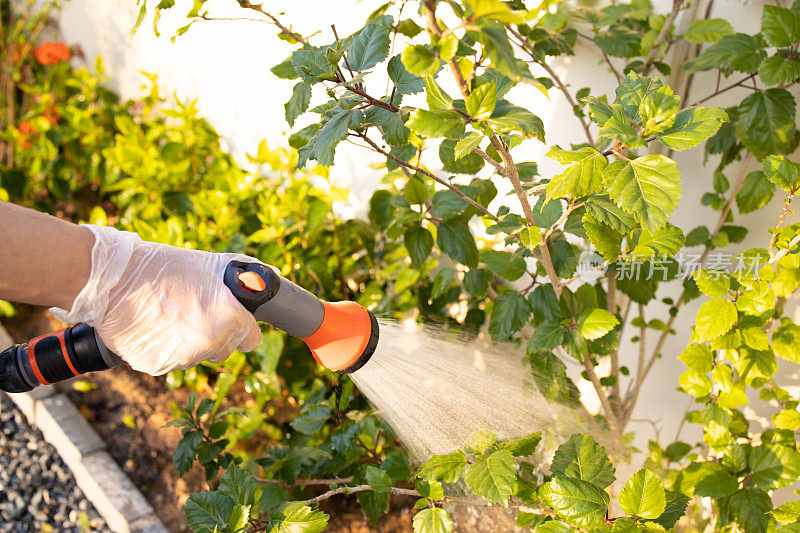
(26, 133)
(49, 53)
(26, 128)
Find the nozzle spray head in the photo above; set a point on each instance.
(342, 336)
(346, 339)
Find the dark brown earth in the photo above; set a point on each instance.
(145, 453)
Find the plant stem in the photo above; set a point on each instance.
(296, 36)
(306, 482)
(361, 488)
(434, 177)
(662, 35)
(781, 220)
(611, 416)
(611, 305)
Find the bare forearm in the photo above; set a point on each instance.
(43, 260)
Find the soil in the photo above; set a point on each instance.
(145, 452)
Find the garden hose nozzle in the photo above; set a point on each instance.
(342, 336)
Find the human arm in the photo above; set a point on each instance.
(43, 260)
(158, 307)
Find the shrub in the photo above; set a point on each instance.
(614, 197)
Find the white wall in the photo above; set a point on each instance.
(225, 65)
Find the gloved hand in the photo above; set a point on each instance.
(159, 307)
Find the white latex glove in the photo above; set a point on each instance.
(159, 307)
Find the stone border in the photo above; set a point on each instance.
(102, 481)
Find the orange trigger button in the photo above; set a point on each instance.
(252, 281)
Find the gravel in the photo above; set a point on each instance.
(37, 490)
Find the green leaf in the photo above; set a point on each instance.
(508, 117)
(420, 60)
(610, 214)
(781, 172)
(480, 441)
(405, 82)
(298, 103)
(779, 69)
(446, 468)
(186, 451)
(708, 30)
(643, 495)
(780, 26)
(369, 47)
(435, 520)
(322, 145)
(312, 65)
(666, 241)
(712, 283)
(582, 458)
(749, 508)
(765, 123)
(789, 420)
(658, 111)
(675, 508)
(416, 190)
(523, 446)
(619, 128)
(469, 164)
(467, 144)
(739, 52)
(208, 512)
(787, 513)
(595, 323)
(238, 485)
(714, 319)
(773, 466)
(448, 204)
(606, 240)
(436, 97)
(695, 383)
(378, 479)
(511, 311)
(619, 41)
(698, 357)
(648, 187)
(579, 502)
(240, 518)
(493, 477)
(312, 419)
(481, 101)
(583, 177)
(298, 517)
(504, 264)
(786, 342)
(692, 126)
(285, 70)
(419, 243)
(455, 239)
(755, 338)
(497, 48)
(546, 337)
(756, 192)
(494, 9)
(632, 90)
(434, 124)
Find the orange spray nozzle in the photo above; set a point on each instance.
(346, 338)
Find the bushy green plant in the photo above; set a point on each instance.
(419, 251)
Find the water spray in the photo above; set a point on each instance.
(342, 336)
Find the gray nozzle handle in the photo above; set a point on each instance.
(281, 303)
